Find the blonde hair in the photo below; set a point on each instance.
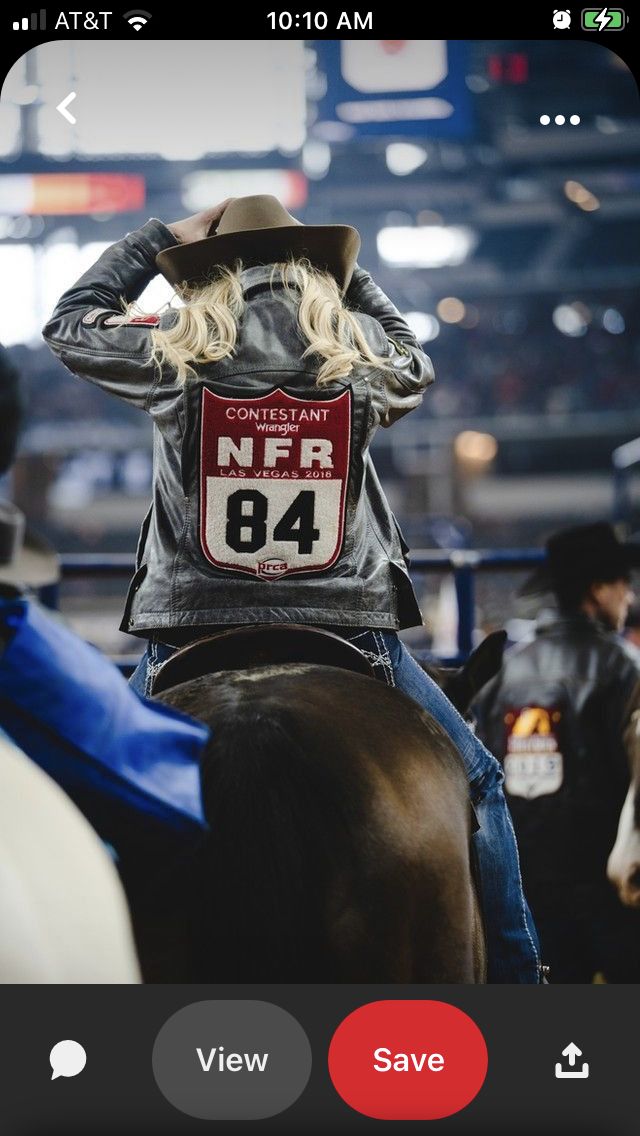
(206, 328)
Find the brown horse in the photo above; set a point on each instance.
(340, 830)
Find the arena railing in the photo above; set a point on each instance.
(463, 564)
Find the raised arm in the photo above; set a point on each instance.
(88, 331)
(401, 387)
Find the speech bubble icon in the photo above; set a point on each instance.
(67, 1059)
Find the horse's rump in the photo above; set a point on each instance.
(340, 828)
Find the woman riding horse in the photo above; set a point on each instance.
(266, 388)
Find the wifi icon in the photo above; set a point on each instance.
(137, 18)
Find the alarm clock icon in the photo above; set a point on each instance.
(561, 19)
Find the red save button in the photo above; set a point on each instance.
(400, 1060)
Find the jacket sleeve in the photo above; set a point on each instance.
(87, 330)
(400, 388)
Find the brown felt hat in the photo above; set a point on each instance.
(258, 230)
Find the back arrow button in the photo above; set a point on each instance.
(62, 107)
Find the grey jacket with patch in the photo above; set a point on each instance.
(243, 529)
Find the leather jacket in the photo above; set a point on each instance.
(266, 503)
(555, 716)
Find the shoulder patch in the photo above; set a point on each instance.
(132, 321)
(92, 316)
(400, 348)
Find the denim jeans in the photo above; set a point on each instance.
(143, 677)
(512, 941)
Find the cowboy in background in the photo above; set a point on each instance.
(555, 715)
(265, 388)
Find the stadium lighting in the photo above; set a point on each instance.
(451, 310)
(474, 449)
(404, 157)
(202, 187)
(571, 319)
(189, 118)
(613, 321)
(427, 246)
(17, 319)
(425, 327)
(316, 159)
(576, 192)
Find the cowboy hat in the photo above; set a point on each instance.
(26, 559)
(584, 554)
(258, 230)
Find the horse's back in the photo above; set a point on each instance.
(339, 842)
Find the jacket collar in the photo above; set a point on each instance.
(257, 276)
(578, 621)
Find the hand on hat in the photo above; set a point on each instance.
(200, 225)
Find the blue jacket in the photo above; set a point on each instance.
(70, 710)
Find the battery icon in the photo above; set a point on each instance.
(603, 19)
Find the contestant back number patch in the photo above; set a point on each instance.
(273, 482)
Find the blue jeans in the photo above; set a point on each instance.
(512, 941)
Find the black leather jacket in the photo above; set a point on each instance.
(266, 504)
(555, 715)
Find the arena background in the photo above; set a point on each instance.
(495, 187)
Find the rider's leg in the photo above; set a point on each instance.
(154, 656)
(512, 942)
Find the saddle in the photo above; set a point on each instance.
(268, 644)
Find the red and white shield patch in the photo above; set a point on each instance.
(273, 482)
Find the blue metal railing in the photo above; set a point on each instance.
(464, 564)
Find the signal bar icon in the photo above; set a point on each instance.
(137, 18)
(31, 22)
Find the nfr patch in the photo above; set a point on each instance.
(533, 763)
(273, 482)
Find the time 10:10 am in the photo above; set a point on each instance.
(318, 21)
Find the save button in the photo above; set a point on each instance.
(408, 1060)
